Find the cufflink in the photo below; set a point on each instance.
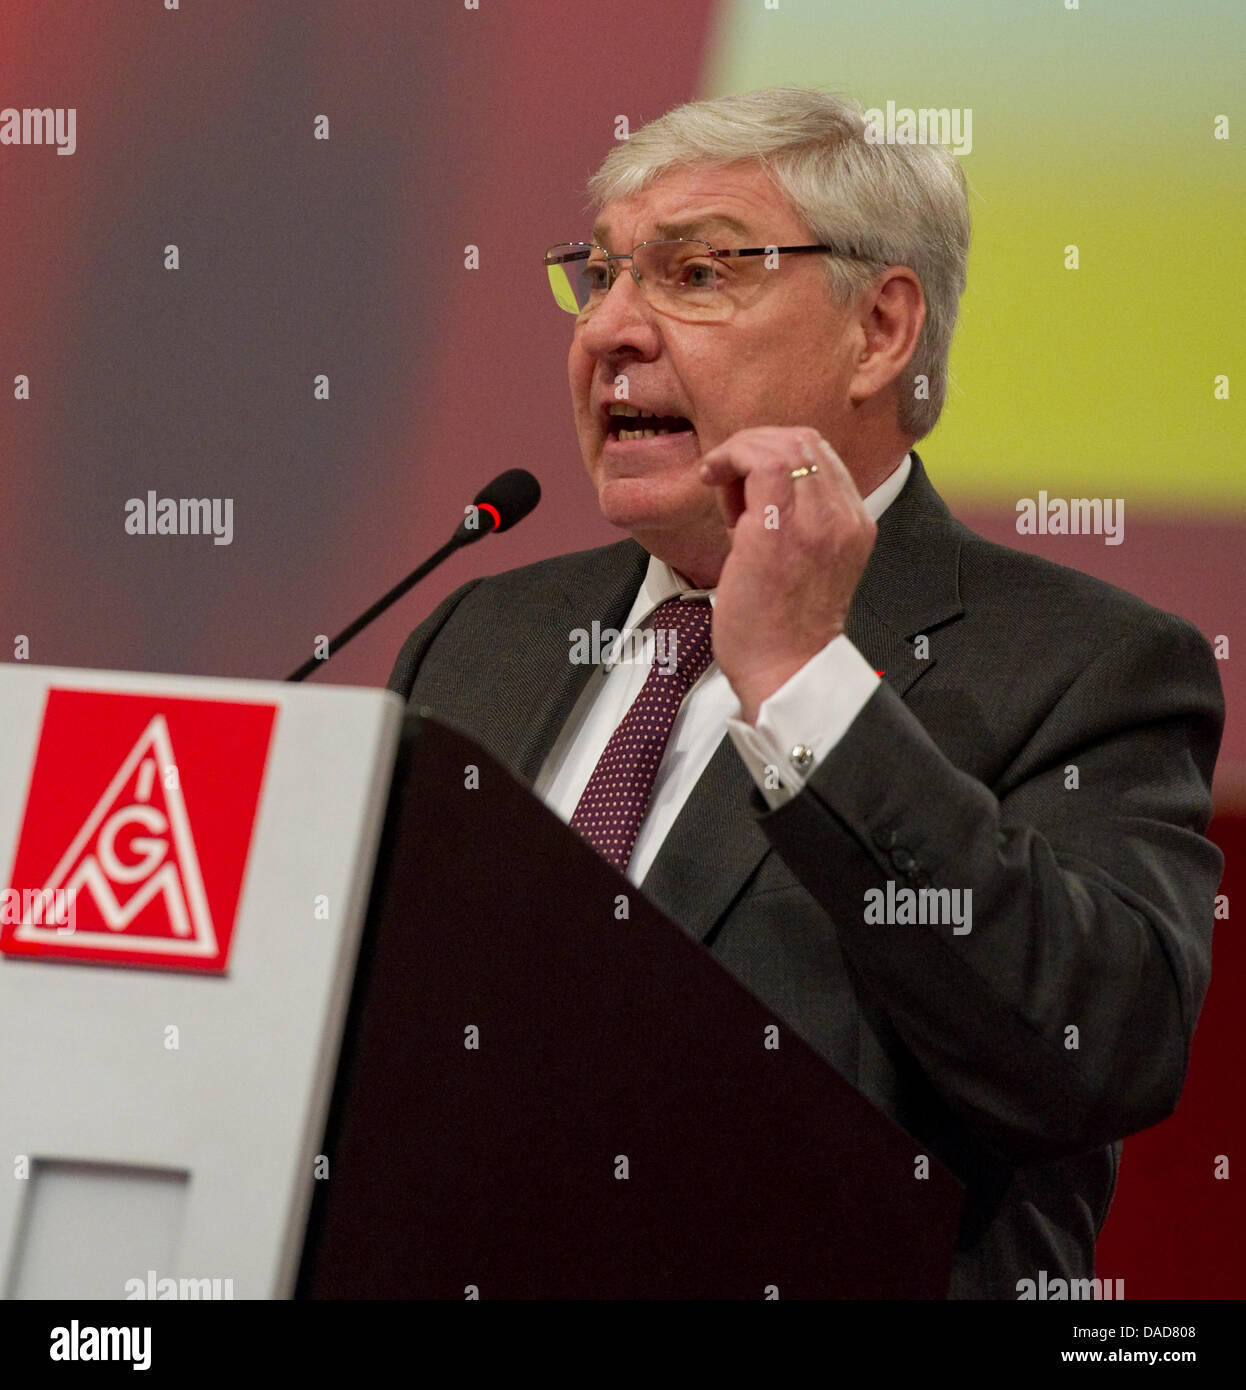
(801, 757)
(904, 861)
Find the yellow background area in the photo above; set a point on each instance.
(1091, 127)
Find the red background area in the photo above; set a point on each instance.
(1175, 1230)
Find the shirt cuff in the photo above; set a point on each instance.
(803, 720)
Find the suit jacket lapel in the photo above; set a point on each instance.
(711, 850)
(910, 586)
(604, 594)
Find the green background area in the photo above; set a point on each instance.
(1091, 127)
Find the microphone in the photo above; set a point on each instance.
(503, 502)
(498, 506)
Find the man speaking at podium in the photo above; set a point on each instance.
(851, 702)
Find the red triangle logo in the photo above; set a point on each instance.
(157, 892)
(128, 879)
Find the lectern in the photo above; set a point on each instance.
(550, 1091)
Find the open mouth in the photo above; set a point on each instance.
(627, 422)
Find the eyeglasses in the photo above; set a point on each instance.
(683, 278)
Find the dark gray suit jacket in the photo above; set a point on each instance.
(1018, 1053)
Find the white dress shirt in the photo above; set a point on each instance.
(796, 727)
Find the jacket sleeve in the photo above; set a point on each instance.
(1062, 1020)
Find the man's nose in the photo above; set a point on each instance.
(622, 319)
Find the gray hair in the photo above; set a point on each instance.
(899, 204)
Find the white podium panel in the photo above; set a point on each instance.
(168, 1045)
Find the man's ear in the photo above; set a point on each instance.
(892, 314)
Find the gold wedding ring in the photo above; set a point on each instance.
(804, 472)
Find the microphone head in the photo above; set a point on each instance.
(512, 495)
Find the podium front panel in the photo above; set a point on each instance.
(549, 1090)
(168, 1056)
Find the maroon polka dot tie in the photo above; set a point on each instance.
(613, 806)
